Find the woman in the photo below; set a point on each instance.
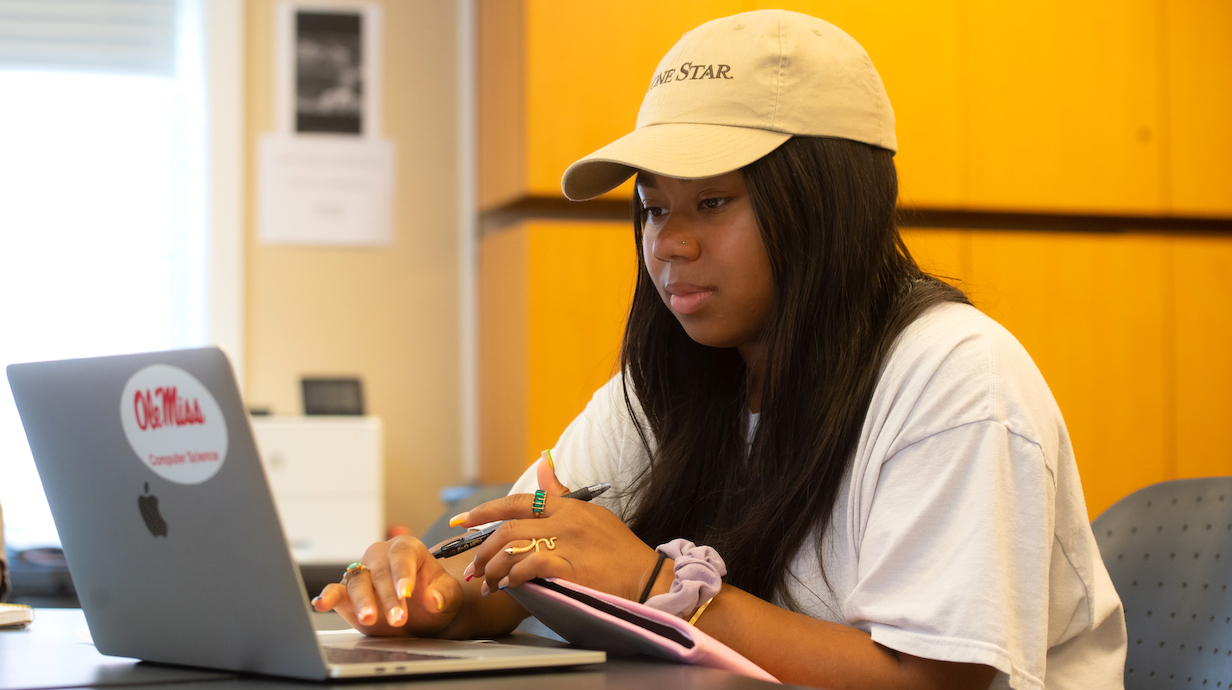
(879, 469)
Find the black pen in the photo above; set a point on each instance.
(466, 542)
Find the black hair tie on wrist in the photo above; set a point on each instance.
(654, 575)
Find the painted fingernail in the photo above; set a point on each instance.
(469, 572)
(397, 616)
(440, 600)
(504, 582)
(550, 462)
(483, 589)
(458, 519)
(404, 588)
(366, 614)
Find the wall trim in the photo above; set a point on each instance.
(468, 235)
(551, 208)
(224, 65)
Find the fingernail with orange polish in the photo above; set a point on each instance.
(458, 519)
(404, 588)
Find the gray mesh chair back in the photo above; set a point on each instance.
(1168, 549)
(440, 530)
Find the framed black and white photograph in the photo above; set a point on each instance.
(329, 76)
(326, 173)
(328, 69)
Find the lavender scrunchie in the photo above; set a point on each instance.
(699, 571)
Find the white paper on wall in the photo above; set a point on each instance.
(326, 190)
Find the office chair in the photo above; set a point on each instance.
(1168, 548)
(440, 530)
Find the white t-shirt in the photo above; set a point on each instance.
(962, 534)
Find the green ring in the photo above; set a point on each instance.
(541, 497)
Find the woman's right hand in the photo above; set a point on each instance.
(405, 591)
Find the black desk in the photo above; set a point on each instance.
(55, 652)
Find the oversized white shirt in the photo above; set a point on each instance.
(961, 534)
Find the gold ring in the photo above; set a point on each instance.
(549, 542)
(353, 570)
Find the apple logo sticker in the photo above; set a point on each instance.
(174, 425)
(149, 512)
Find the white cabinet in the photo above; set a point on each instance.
(327, 479)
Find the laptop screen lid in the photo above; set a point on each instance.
(164, 511)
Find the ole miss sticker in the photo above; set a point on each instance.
(173, 424)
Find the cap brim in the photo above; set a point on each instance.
(683, 150)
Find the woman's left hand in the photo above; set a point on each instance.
(578, 541)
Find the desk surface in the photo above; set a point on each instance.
(55, 652)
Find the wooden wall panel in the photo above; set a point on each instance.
(503, 375)
(581, 281)
(1199, 106)
(587, 67)
(1092, 312)
(1107, 106)
(501, 102)
(1061, 106)
(1132, 333)
(945, 254)
(1203, 298)
(914, 45)
(553, 298)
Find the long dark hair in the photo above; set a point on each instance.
(845, 286)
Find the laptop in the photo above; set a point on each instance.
(172, 536)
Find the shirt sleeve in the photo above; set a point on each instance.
(955, 555)
(600, 445)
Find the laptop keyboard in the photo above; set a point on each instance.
(338, 655)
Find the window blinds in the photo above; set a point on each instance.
(113, 36)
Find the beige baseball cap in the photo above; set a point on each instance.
(736, 88)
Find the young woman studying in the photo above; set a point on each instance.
(878, 470)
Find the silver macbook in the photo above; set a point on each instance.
(172, 536)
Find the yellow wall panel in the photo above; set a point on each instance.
(914, 46)
(1130, 331)
(1061, 106)
(1199, 38)
(1091, 311)
(580, 283)
(501, 101)
(1203, 355)
(502, 354)
(1107, 106)
(945, 254)
(553, 298)
(587, 67)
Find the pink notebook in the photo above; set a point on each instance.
(597, 620)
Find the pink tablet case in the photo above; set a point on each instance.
(597, 620)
